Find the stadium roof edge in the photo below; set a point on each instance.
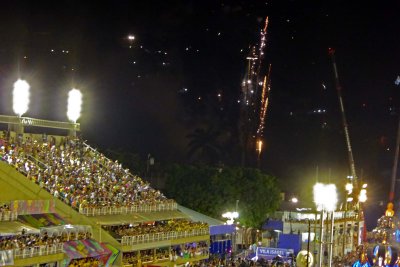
(199, 217)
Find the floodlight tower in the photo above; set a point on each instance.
(20, 102)
(325, 198)
(74, 107)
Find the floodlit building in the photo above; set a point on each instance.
(305, 223)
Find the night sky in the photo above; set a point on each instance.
(146, 95)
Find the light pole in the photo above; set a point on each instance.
(308, 242)
(231, 216)
(362, 197)
(325, 198)
(294, 200)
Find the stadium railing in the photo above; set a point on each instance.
(154, 237)
(89, 211)
(38, 251)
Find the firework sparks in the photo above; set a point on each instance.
(264, 103)
(255, 93)
(252, 81)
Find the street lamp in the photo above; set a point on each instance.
(230, 216)
(325, 198)
(294, 200)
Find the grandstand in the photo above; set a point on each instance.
(64, 203)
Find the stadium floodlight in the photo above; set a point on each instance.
(20, 97)
(325, 196)
(230, 216)
(74, 105)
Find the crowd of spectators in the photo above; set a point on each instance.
(243, 262)
(189, 250)
(6, 214)
(185, 251)
(347, 260)
(155, 227)
(79, 175)
(28, 240)
(130, 258)
(84, 262)
(22, 241)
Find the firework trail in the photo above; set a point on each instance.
(264, 103)
(255, 94)
(252, 81)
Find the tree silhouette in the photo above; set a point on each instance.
(213, 191)
(204, 145)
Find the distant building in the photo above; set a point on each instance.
(305, 222)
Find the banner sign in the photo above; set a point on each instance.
(273, 252)
(33, 206)
(87, 248)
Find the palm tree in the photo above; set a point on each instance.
(204, 145)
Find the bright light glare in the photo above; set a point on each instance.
(20, 97)
(131, 37)
(363, 195)
(349, 187)
(229, 214)
(294, 200)
(318, 195)
(325, 196)
(259, 146)
(74, 105)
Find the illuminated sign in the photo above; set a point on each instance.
(273, 252)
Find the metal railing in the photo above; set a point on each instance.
(8, 216)
(110, 210)
(154, 237)
(25, 121)
(38, 251)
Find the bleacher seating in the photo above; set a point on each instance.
(83, 177)
(93, 185)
